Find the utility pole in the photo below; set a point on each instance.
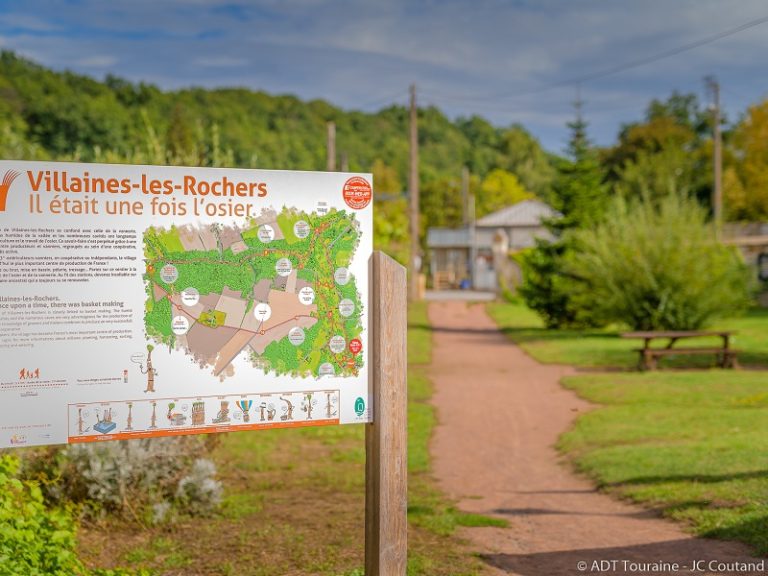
(472, 242)
(413, 190)
(344, 162)
(717, 137)
(465, 195)
(330, 147)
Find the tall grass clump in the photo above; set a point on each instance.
(656, 266)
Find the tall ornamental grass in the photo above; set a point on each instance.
(656, 266)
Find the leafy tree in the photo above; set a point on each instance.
(14, 145)
(385, 178)
(651, 137)
(390, 214)
(745, 179)
(657, 175)
(525, 158)
(390, 228)
(484, 152)
(655, 266)
(512, 149)
(441, 203)
(181, 141)
(499, 189)
(684, 109)
(668, 152)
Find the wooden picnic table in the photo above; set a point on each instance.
(649, 355)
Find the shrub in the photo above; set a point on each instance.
(198, 492)
(656, 267)
(34, 540)
(142, 479)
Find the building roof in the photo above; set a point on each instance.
(448, 237)
(524, 213)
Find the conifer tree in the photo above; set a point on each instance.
(580, 196)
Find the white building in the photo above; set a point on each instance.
(464, 257)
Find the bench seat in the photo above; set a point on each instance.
(649, 356)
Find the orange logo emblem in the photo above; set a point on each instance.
(5, 185)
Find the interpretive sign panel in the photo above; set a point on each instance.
(140, 301)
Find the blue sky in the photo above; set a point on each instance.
(494, 58)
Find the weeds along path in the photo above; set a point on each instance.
(499, 416)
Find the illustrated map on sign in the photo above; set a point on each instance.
(276, 290)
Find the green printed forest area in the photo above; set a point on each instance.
(157, 320)
(256, 263)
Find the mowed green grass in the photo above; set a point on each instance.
(604, 348)
(691, 444)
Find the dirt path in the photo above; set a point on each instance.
(499, 414)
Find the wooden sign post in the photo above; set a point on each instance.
(386, 438)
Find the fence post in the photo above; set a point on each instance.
(386, 438)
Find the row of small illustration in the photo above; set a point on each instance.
(174, 413)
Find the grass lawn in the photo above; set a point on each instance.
(605, 349)
(692, 444)
(295, 503)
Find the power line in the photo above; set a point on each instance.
(559, 105)
(668, 53)
(442, 97)
(430, 97)
(381, 100)
(626, 65)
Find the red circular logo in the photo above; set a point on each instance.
(357, 193)
(355, 346)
